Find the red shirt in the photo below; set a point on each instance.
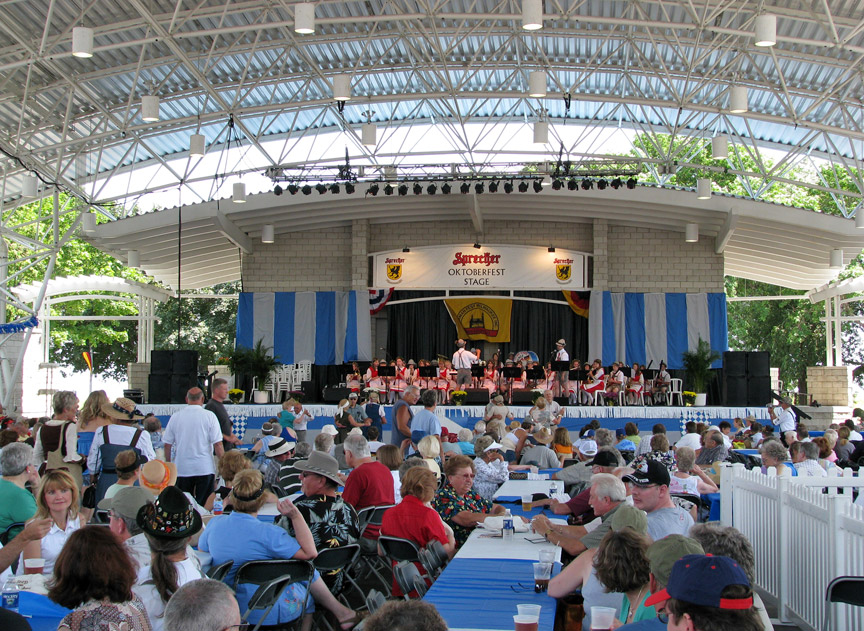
(370, 484)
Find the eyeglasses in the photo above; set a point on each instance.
(663, 617)
(467, 476)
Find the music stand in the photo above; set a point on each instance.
(387, 371)
(626, 371)
(578, 375)
(560, 366)
(476, 370)
(427, 372)
(536, 373)
(650, 374)
(512, 372)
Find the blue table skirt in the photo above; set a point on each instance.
(42, 614)
(476, 594)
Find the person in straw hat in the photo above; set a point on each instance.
(537, 452)
(157, 475)
(110, 440)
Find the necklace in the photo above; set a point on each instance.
(633, 607)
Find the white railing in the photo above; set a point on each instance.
(805, 532)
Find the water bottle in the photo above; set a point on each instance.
(507, 529)
(10, 595)
(553, 488)
(217, 506)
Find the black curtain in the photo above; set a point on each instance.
(424, 329)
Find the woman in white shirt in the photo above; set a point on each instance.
(57, 498)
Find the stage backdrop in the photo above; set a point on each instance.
(644, 327)
(324, 327)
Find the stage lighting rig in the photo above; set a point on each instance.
(431, 189)
(479, 187)
(538, 186)
(418, 190)
(388, 190)
(321, 189)
(523, 186)
(464, 188)
(277, 190)
(587, 184)
(334, 188)
(508, 187)
(349, 188)
(493, 187)
(373, 190)
(446, 188)
(293, 189)
(601, 184)
(617, 183)
(307, 190)
(403, 190)
(631, 183)
(556, 184)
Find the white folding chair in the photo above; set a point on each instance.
(675, 389)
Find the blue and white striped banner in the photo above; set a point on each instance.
(324, 327)
(654, 327)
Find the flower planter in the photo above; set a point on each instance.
(260, 396)
(701, 399)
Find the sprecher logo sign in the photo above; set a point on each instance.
(394, 269)
(563, 270)
(478, 319)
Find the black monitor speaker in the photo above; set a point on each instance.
(735, 363)
(735, 391)
(476, 396)
(522, 397)
(161, 362)
(334, 395)
(759, 391)
(758, 364)
(159, 389)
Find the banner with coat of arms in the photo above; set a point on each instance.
(488, 267)
(481, 318)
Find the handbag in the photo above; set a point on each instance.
(88, 497)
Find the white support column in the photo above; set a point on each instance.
(829, 351)
(142, 327)
(838, 336)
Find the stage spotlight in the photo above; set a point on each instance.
(406, 249)
(431, 189)
(403, 189)
(446, 188)
(508, 187)
(587, 184)
(631, 183)
(388, 190)
(572, 185)
(538, 186)
(349, 188)
(477, 245)
(551, 249)
(523, 186)
(321, 189)
(464, 188)
(601, 185)
(479, 187)
(373, 190)
(418, 190)
(556, 185)
(334, 188)
(493, 187)
(277, 190)
(293, 189)
(307, 190)
(617, 183)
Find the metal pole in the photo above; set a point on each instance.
(838, 336)
(829, 352)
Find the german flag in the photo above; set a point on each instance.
(578, 301)
(88, 359)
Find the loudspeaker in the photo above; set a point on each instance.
(184, 362)
(476, 396)
(161, 362)
(308, 389)
(735, 391)
(735, 363)
(334, 395)
(180, 385)
(562, 401)
(136, 395)
(758, 364)
(522, 397)
(159, 389)
(759, 390)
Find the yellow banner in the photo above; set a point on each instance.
(481, 318)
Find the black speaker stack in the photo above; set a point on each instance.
(476, 396)
(746, 378)
(172, 373)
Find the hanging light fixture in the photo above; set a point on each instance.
(532, 15)
(738, 99)
(836, 259)
(691, 232)
(369, 134)
(766, 30)
(82, 42)
(342, 87)
(150, 108)
(133, 258)
(537, 84)
(267, 233)
(88, 223)
(29, 185)
(703, 188)
(304, 18)
(196, 145)
(541, 133)
(239, 195)
(719, 147)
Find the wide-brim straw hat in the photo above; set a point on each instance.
(544, 436)
(156, 475)
(122, 409)
(320, 464)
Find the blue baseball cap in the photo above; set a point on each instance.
(700, 580)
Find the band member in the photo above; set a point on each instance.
(662, 383)
(635, 385)
(560, 378)
(354, 380)
(490, 377)
(595, 383)
(462, 362)
(614, 382)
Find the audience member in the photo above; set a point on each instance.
(372, 435)
(17, 504)
(774, 456)
(370, 482)
(805, 459)
(461, 507)
(713, 450)
(644, 446)
(216, 404)
(153, 426)
(539, 454)
(324, 440)
(391, 457)
(404, 615)
(689, 478)
(56, 499)
(579, 473)
(230, 464)
(490, 467)
(202, 605)
(562, 444)
(56, 442)
(279, 453)
(127, 464)
(691, 438)
(623, 443)
(579, 506)
(650, 489)
(402, 415)
(269, 432)
(123, 512)
(784, 420)
(622, 567)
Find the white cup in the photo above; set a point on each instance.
(602, 617)
(546, 556)
(529, 610)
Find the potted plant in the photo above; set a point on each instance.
(697, 368)
(256, 362)
(457, 397)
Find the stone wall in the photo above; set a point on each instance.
(830, 385)
(138, 374)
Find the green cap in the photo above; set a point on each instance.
(629, 517)
(127, 502)
(663, 554)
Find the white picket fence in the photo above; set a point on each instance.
(805, 532)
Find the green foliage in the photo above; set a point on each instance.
(841, 179)
(697, 365)
(255, 362)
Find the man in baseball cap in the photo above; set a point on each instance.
(122, 509)
(649, 485)
(708, 592)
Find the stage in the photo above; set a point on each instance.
(251, 417)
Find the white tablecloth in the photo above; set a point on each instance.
(518, 488)
(481, 545)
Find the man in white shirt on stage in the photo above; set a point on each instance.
(194, 435)
(561, 376)
(785, 421)
(462, 362)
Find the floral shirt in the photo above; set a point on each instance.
(101, 615)
(666, 458)
(333, 523)
(490, 475)
(449, 504)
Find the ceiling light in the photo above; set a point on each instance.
(601, 184)
(432, 189)
(631, 183)
(388, 189)
(293, 188)
(465, 188)
(88, 223)
(703, 188)
(150, 108)
(369, 134)
(320, 188)
(267, 235)
(82, 42)
(349, 188)
(541, 133)
(551, 249)
(537, 84)
(196, 145)
(532, 15)
(556, 184)
(493, 188)
(403, 189)
(523, 186)
(859, 217)
(719, 147)
(538, 186)
(587, 184)
(691, 232)
(418, 190)
(239, 193)
(766, 30)
(479, 187)
(334, 188)
(477, 245)
(508, 187)
(373, 190)
(29, 185)
(342, 87)
(836, 259)
(617, 183)
(446, 188)
(133, 258)
(738, 99)
(406, 249)
(304, 18)
(306, 190)
(277, 190)
(572, 184)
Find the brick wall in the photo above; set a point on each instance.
(138, 376)
(830, 385)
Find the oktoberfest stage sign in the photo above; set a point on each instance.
(490, 267)
(481, 318)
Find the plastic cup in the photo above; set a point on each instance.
(547, 556)
(542, 574)
(525, 623)
(34, 566)
(529, 610)
(527, 502)
(602, 618)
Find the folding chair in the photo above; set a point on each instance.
(374, 600)
(408, 579)
(371, 516)
(397, 549)
(675, 390)
(341, 558)
(436, 548)
(848, 590)
(272, 578)
(219, 572)
(4, 536)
